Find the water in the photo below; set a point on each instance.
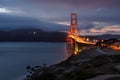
(14, 57)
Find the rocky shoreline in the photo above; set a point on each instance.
(92, 64)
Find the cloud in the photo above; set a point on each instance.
(4, 10)
(80, 3)
(8, 22)
(13, 11)
(93, 15)
(62, 23)
(113, 29)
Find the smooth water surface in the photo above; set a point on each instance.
(15, 56)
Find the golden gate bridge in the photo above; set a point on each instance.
(73, 37)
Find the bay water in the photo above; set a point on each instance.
(15, 56)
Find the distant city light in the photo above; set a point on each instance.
(94, 40)
(34, 33)
(102, 40)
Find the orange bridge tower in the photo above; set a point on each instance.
(73, 31)
(73, 28)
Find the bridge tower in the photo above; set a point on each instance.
(73, 31)
(73, 28)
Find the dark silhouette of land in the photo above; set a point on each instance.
(38, 35)
(31, 35)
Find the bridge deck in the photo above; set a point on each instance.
(80, 40)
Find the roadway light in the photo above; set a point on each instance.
(87, 39)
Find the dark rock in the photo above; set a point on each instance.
(115, 58)
(86, 65)
(28, 67)
(113, 78)
(100, 60)
(44, 76)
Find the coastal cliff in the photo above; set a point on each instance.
(91, 64)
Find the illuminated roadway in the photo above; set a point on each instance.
(80, 40)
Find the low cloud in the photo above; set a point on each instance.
(113, 29)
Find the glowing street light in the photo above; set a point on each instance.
(87, 39)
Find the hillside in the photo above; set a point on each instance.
(31, 35)
(91, 64)
(38, 35)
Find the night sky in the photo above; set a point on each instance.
(94, 16)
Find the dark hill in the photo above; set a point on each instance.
(31, 35)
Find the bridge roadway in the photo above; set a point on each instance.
(80, 40)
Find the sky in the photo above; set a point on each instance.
(94, 16)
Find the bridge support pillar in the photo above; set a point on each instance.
(73, 31)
